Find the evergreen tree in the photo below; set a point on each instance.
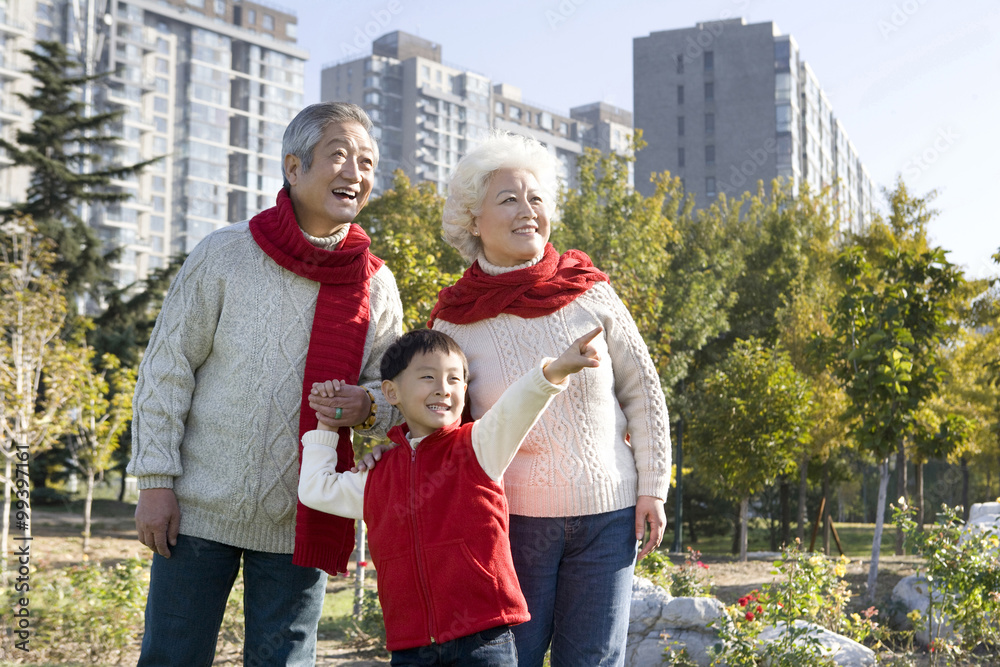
(63, 149)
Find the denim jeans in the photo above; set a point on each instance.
(187, 599)
(489, 648)
(576, 574)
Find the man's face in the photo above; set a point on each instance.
(338, 183)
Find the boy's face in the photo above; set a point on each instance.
(430, 392)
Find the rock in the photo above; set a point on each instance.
(844, 651)
(684, 621)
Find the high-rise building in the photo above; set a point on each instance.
(208, 84)
(16, 33)
(725, 104)
(428, 113)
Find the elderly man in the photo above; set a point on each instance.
(260, 310)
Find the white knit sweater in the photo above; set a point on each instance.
(216, 410)
(576, 460)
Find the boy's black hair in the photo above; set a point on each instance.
(419, 341)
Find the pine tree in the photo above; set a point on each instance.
(63, 150)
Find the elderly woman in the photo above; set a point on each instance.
(595, 469)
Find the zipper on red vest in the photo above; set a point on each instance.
(416, 542)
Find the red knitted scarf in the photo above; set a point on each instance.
(336, 349)
(534, 291)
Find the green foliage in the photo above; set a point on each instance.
(962, 566)
(751, 411)
(689, 579)
(63, 149)
(811, 590)
(405, 227)
(371, 623)
(627, 235)
(89, 611)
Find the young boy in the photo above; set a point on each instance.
(435, 508)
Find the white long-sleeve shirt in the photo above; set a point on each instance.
(495, 440)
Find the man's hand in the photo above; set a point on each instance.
(579, 355)
(158, 519)
(649, 509)
(352, 401)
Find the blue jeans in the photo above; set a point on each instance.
(187, 599)
(576, 574)
(489, 648)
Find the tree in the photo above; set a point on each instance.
(626, 235)
(64, 152)
(95, 411)
(887, 330)
(405, 227)
(753, 411)
(32, 314)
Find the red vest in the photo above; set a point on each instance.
(437, 531)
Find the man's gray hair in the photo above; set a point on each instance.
(306, 130)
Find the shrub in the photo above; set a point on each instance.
(688, 579)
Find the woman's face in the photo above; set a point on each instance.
(514, 224)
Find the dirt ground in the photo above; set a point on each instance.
(57, 543)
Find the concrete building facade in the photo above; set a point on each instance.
(726, 104)
(429, 113)
(209, 85)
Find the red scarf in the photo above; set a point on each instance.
(534, 291)
(336, 348)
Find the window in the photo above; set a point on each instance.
(782, 53)
(162, 66)
(680, 126)
(498, 108)
(197, 3)
(783, 118)
(680, 63)
(437, 75)
(545, 120)
(251, 17)
(563, 129)
(709, 124)
(425, 72)
(268, 22)
(160, 104)
(709, 58)
(515, 113)
(292, 30)
(680, 94)
(709, 91)
(710, 186)
(159, 183)
(220, 7)
(710, 155)
(680, 157)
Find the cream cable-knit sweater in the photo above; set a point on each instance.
(216, 410)
(576, 460)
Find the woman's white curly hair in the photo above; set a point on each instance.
(471, 180)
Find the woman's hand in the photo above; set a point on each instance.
(352, 401)
(649, 509)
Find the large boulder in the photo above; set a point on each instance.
(844, 651)
(655, 614)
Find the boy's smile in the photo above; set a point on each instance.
(430, 392)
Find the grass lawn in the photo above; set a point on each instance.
(856, 538)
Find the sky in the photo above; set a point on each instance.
(915, 83)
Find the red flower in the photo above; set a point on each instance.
(743, 602)
(760, 610)
(362, 563)
(749, 615)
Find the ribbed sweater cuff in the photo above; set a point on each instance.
(321, 437)
(156, 482)
(654, 485)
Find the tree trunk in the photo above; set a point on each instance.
(359, 571)
(690, 519)
(883, 487)
(744, 517)
(785, 495)
(8, 487)
(826, 507)
(800, 531)
(919, 474)
(965, 488)
(901, 484)
(87, 503)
